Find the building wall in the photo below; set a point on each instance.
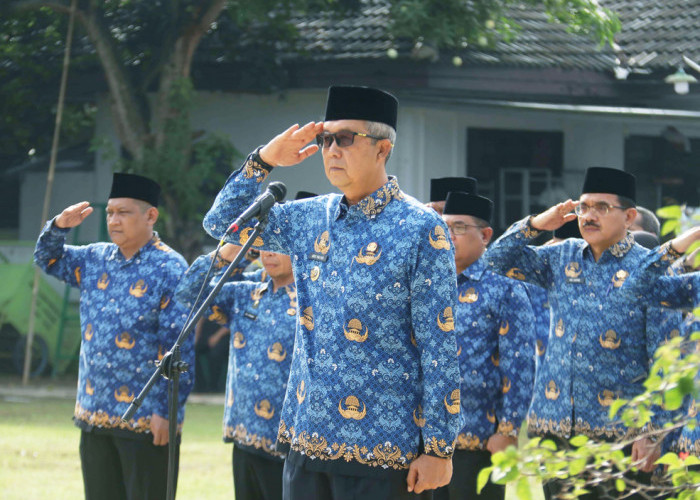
(432, 142)
(69, 188)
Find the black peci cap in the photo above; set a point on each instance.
(611, 181)
(439, 187)
(460, 203)
(361, 103)
(136, 187)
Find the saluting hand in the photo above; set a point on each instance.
(288, 149)
(554, 217)
(74, 215)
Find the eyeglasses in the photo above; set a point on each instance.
(459, 228)
(343, 138)
(601, 208)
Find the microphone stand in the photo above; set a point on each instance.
(172, 365)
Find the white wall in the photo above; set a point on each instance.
(432, 142)
(69, 188)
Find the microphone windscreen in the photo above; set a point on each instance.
(278, 189)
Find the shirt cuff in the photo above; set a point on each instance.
(255, 168)
(55, 229)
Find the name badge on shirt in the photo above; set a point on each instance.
(250, 315)
(573, 273)
(318, 257)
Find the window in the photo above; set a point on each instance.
(517, 169)
(667, 168)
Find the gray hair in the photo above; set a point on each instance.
(379, 129)
(648, 221)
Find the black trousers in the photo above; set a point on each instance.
(256, 477)
(116, 468)
(466, 465)
(302, 484)
(603, 491)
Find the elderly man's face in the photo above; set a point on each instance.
(604, 230)
(351, 167)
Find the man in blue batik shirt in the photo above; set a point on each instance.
(128, 320)
(495, 325)
(372, 403)
(262, 318)
(601, 342)
(539, 297)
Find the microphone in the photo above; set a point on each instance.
(275, 192)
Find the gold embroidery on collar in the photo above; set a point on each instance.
(623, 246)
(373, 204)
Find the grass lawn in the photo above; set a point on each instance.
(39, 452)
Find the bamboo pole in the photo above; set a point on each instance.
(49, 187)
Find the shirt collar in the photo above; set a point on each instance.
(476, 271)
(154, 241)
(619, 249)
(290, 290)
(372, 205)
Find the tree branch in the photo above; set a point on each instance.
(165, 49)
(192, 34)
(129, 118)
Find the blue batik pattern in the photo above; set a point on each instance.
(128, 320)
(687, 440)
(495, 324)
(375, 367)
(540, 305)
(262, 324)
(602, 337)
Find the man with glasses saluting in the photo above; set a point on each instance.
(372, 403)
(601, 339)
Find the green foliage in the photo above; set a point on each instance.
(455, 24)
(31, 56)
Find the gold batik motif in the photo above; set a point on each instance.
(623, 246)
(469, 442)
(254, 170)
(376, 202)
(668, 253)
(104, 421)
(528, 231)
(385, 455)
(241, 435)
